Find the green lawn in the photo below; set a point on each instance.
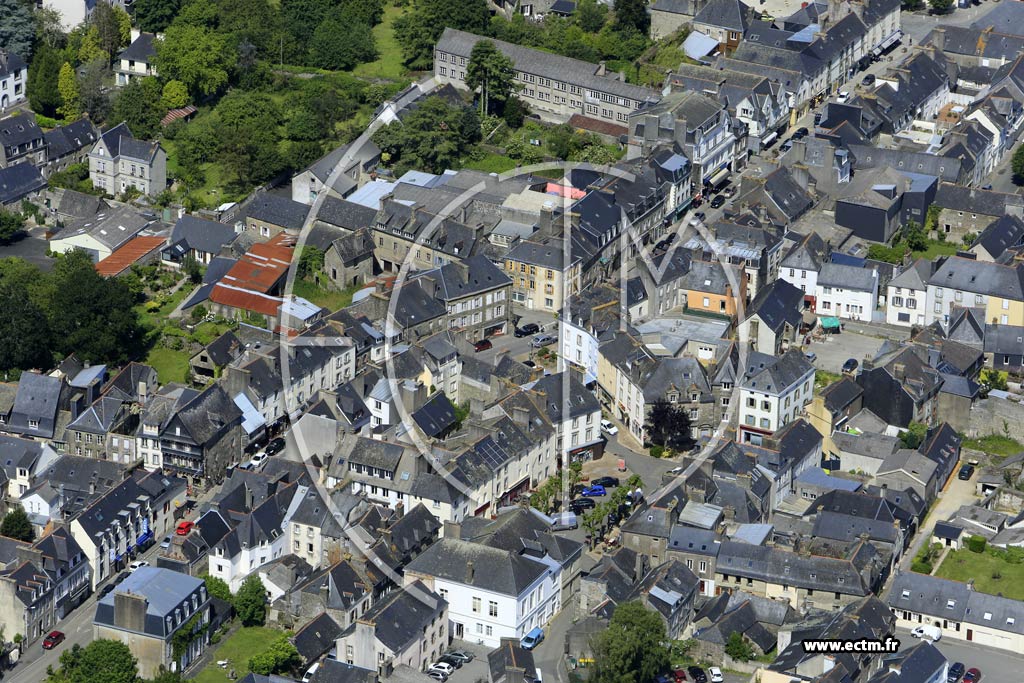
(823, 378)
(963, 565)
(170, 365)
(237, 649)
(388, 65)
(995, 444)
(158, 317)
(937, 248)
(325, 298)
(491, 163)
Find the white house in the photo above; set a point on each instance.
(773, 392)
(492, 593)
(846, 291)
(801, 264)
(13, 79)
(905, 295)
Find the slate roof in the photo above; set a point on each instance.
(317, 637)
(918, 663)
(847, 277)
(142, 48)
(840, 394)
(11, 63)
(511, 655)
(37, 400)
(981, 277)
(807, 254)
(580, 401)
(192, 232)
(474, 275)
(18, 181)
(547, 65)
(776, 304)
(540, 254)
(771, 374)
(121, 143)
(436, 416)
(375, 453)
(164, 590)
(400, 618)
(69, 139)
(733, 15)
(277, 210)
(780, 566)
(491, 569)
(1002, 234)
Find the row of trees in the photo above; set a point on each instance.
(102, 661)
(69, 310)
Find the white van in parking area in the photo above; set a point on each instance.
(932, 633)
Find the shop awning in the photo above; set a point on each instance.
(831, 323)
(720, 176)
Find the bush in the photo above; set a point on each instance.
(921, 567)
(657, 451)
(976, 544)
(47, 122)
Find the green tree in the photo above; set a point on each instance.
(340, 45)
(101, 661)
(67, 84)
(92, 90)
(280, 656)
(492, 73)
(251, 601)
(17, 28)
(299, 19)
(154, 16)
(739, 648)
(915, 236)
(11, 224)
(668, 425)
(217, 588)
(91, 47)
(49, 27)
(368, 12)
(433, 137)
(193, 269)
(993, 379)
(591, 15)
(174, 96)
(940, 6)
(197, 145)
(16, 524)
(311, 261)
(914, 435)
(24, 330)
(417, 31)
(198, 57)
(139, 105)
(1017, 165)
(43, 80)
(248, 136)
(631, 649)
(632, 15)
(108, 28)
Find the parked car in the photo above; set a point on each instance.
(608, 428)
(973, 675)
(106, 590)
(532, 639)
(679, 675)
(438, 676)
(799, 135)
(966, 472)
(166, 543)
(527, 329)
(700, 216)
(451, 661)
(529, 364)
(483, 345)
(956, 672)
(257, 461)
(542, 340)
(275, 446)
(184, 528)
(843, 96)
(137, 564)
(932, 633)
(697, 674)
(811, 356)
(717, 202)
(786, 146)
(446, 669)
(607, 482)
(462, 655)
(578, 505)
(715, 674)
(310, 672)
(565, 521)
(868, 80)
(850, 365)
(52, 640)
(593, 491)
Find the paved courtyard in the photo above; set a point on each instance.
(833, 350)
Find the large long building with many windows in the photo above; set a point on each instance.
(555, 87)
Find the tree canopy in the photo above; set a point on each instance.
(279, 656)
(16, 524)
(101, 661)
(197, 56)
(432, 137)
(341, 44)
(43, 81)
(18, 28)
(140, 105)
(668, 425)
(251, 601)
(1017, 164)
(492, 72)
(418, 30)
(154, 16)
(631, 649)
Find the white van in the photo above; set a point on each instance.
(932, 633)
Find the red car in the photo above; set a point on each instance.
(972, 676)
(679, 675)
(53, 640)
(483, 345)
(184, 528)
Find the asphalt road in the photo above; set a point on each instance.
(32, 248)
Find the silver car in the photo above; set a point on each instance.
(542, 340)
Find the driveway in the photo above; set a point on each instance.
(956, 494)
(32, 247)
(834, 349)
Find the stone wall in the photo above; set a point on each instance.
(996, 416)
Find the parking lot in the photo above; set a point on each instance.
(834, 349)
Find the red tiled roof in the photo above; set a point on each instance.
(248, 283)
(175, 114)
(128, 253)
(597, 126)
(246, 300)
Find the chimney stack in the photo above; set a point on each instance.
(452, 530)
(470, 571)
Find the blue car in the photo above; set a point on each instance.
(591, 491)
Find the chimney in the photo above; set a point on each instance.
(452, 530)
(470, 572)
(547, 217)
(899, 371)
(602, 68)
(325, 591)
(639, 566)
(29, 553)
(248, 498)
(521, 416)
(130, 611)
(939, 38)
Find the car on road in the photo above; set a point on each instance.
(137, 564)
(52, 640)
(932, 633)
(166, 543)
(786, 146)
(701, 216)
(843, 96)
(811, 356)
(966, 472)
(106, 590)
(483, 345)
(438, 676)
(565, 521)
(446, 669)
(463, 655)
(973, 675)
(607, 482)
(800, 134)
(593, 491)
(717, 202)
(184, 528)
(527, 329)
(257, 461)
(608, 428)
(850, 365)
(542, 340)
(715, 674)
(578, 505)
(868, 80)
(275, 446)
(532, 639)
(956, 672)
(697, 674)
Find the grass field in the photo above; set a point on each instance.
(170, 365)
(995, 444)
(492, 163)
(237, 649)
(963, 565)
(388, 65)
(325, 298)
(936, 248)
